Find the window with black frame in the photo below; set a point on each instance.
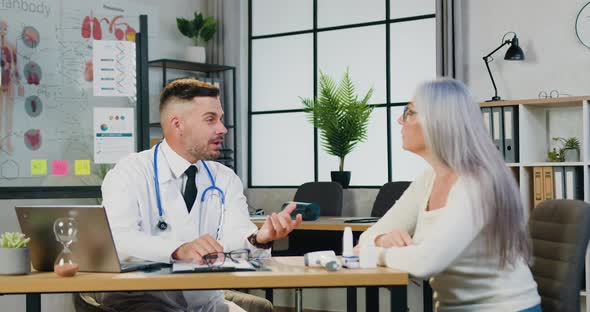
(387, 45)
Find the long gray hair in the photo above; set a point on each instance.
(454, 132)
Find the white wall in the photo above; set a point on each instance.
(167, 43)
(555, 59)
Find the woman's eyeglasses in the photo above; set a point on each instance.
(217, 259)
(408, 112)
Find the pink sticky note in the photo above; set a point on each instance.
(59, 167)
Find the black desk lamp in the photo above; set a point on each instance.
(514, 53)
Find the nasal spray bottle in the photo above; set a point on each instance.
(349, 260)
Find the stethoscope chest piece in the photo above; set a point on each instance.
(162, 225)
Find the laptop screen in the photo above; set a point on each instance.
(93, 248)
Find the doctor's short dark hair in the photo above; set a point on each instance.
(186, 89)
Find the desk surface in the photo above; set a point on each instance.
(328, 224)
(287, 272)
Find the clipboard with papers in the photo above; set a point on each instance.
(227, 266)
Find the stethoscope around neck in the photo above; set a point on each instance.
(162, 225)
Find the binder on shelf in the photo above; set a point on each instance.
(548, 183)
(558, 183)
(510, 116)
(573, 183)
(537, 185)
(498, 129)
(487, 119)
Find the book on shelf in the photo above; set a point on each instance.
(548, 191)
(537, 186)
(557, 183)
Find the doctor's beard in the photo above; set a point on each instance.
(203, 152)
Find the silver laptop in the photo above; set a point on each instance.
(93, 249)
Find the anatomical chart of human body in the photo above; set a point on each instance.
(28, 45)
(46, 96)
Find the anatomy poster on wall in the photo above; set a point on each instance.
(46, 95)
(28, 50)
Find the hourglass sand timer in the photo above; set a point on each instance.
(65, 232)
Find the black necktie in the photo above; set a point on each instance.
(190, 191)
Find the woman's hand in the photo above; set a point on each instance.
(395, 238)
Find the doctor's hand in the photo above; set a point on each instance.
(395, 238)
(278, 225)
(195, 250)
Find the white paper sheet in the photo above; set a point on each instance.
(113, 134)
(228, 265)
(114, 68)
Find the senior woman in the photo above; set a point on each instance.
(462, 223)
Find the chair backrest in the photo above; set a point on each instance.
(327, 194)
(560, 230)
(388, 194)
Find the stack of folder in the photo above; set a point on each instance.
(557, 183)
(502, 125)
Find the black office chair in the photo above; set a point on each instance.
(327, 194)
(560, 230)
(388, 194)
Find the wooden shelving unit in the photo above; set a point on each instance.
(539, 120)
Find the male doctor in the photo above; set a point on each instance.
(182, 226)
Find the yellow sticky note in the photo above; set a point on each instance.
(82, 167)
(38, 167)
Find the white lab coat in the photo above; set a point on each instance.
(129, 197)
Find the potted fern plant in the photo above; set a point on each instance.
(14, 254)
(341, 118)
(200, 30)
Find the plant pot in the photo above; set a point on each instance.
(572, 155)
(342, 177)
(195, 54)
(14, 261)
